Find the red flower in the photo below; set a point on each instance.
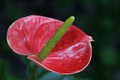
(71, 54)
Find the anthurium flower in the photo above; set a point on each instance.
(71, 54)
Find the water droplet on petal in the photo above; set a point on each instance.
(66, 40)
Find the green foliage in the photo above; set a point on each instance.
(2, 70)
(109, 57)
(4, 74)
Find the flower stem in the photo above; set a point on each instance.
(33, 72)
(55, 38)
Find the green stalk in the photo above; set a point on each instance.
(33, 72)
(55, 38)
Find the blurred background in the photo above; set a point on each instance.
(98, 18)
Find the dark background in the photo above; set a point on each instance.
(98, 18)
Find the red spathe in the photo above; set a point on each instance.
(70, 55)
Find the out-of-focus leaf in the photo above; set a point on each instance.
(11, 77)
(51, 76)
(109, 57)
(83, 79)
(72, 77)
(40, 72)
(2, 70)
(68, 77)
(4, 74)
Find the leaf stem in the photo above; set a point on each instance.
(33, 72)
(55, 38)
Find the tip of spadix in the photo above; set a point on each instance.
(72, 17)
